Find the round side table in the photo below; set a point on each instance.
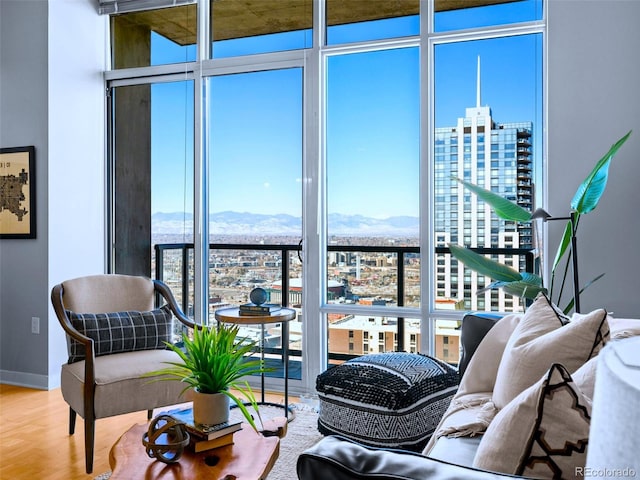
(283, 316)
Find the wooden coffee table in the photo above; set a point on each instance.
(251, 457)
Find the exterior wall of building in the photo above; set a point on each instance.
(497, 157)
(360, 335)
(448, 348)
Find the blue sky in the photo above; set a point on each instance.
(373, 123)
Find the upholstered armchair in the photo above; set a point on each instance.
(114, 336)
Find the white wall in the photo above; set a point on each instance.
(51, 88)
(77, 185)
(594, 99)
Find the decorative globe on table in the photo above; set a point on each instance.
(166, 439)
(258, 296)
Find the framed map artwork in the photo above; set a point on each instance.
(17, 192)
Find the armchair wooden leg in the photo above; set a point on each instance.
(89, 437)
(72, 421)
(149, 414)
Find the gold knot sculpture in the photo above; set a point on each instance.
(166, 438)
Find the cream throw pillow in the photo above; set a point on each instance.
(542, 433)
(585, 377)
(471, 409)
(543, 337)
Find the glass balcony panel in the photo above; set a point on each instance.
(352, 335)
(447, 341)
(462, 291)
(174, 265)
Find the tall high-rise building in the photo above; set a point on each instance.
(497, 157)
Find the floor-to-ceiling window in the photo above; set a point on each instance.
(152, 176)
(309, 148)
(487, 130)
(372, 200)
(255, 194)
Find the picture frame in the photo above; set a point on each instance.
(17, 193)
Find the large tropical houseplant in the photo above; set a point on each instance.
(527, 285)
(212, 365)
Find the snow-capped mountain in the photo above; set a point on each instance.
(282, 224)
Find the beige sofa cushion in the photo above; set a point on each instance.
(544, 337)
(481, 372)
(623, 327)
(119, 374)
(585, 377)
(468, 413)
(458, 450)
(542, 433)
(471, 408)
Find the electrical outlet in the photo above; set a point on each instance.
(35, 325)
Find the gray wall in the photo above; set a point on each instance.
(52, 55)
(51, 96)
(594, 99)
(24, 121)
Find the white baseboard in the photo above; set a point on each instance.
(22, 379)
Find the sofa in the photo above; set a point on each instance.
(522, 408)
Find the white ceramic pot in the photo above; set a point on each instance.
(210, 408)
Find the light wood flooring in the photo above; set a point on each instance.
(34, 439)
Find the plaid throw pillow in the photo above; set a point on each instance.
(121, 331)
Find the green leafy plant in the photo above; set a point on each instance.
(525, 284)
(214, 361)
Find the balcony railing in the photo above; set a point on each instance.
(286, 249)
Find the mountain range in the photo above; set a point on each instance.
(254, 223)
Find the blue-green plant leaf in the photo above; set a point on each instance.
(591, 189)
(504, 208)
(528, 287)
(483, 265)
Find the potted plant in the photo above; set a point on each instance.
(527, 285)
(213, 363)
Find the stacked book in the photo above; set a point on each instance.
(205, 437)
(262, 309)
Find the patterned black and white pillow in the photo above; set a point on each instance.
(119, 332)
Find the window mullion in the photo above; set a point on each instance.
(314, 227)
(201, 173)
